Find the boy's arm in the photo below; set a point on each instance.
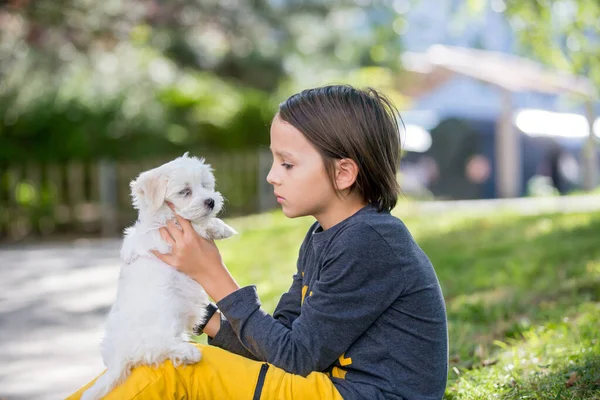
(359, 280)
(221, 334)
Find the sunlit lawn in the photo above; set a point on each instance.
(523, 295)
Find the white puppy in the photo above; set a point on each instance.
(156, 305)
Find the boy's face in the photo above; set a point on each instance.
(298, 174)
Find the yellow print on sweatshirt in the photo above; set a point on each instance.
(338, 372)
(304, 290)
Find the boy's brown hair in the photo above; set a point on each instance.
(362, 125)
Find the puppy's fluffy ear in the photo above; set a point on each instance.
(150, 188)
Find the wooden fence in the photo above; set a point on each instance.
(93, 198)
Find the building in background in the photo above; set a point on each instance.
(462, 70)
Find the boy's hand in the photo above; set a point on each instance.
(196, 257)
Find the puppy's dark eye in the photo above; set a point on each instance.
(186, 192)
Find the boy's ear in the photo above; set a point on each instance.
(346, 172)
(150, 188)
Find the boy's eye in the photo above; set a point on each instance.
(286, 165)
(186, 192)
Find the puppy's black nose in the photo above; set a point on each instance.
(210, 203)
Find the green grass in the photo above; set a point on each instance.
(522, 293)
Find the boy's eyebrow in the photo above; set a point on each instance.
(282, 153)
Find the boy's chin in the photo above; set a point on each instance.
(291, 213)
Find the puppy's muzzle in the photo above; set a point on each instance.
(210, 203)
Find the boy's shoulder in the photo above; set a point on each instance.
(367, 228)
(382, 222)
(373, 228)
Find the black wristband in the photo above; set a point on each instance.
(211, 309)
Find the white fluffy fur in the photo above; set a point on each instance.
(157, 306)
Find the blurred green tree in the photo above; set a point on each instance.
(246, 40)
(132, 78)
(564, 34)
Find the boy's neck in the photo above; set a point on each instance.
(339, 211)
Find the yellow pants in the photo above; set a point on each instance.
(220, 375)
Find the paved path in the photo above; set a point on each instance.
(54, 299)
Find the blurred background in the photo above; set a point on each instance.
(499, 98)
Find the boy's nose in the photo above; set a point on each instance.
(271, 179)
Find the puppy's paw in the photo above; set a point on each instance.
(217, 229)
(185, 353)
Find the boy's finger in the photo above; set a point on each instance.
(164, 233)
(166, 258)
(171, 206)
(174, 231)
(185, 225)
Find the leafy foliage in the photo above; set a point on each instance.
(563, 33)
(137, 78)
(253, 42)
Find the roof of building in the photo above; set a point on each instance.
(427, 71)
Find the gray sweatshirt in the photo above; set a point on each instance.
(365, 306)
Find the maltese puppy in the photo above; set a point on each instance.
(157, 306)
